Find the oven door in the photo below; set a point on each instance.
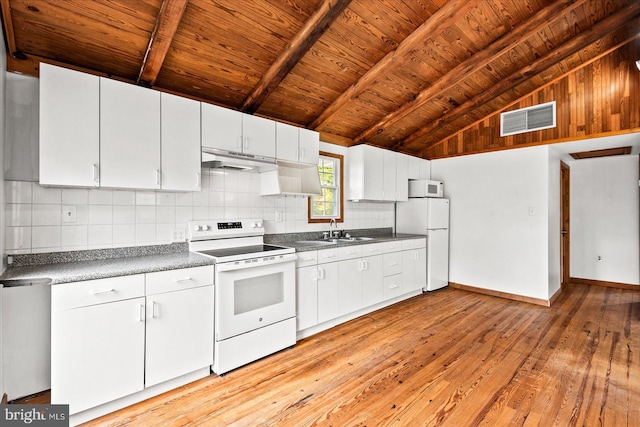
(254, 293)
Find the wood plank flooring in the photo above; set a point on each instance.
(448, 358)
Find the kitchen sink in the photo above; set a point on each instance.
(317, 242)
(355, 239)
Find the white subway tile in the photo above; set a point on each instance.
(46, 215)
(165, 199)
(145, 214)
(17, 214)
(216, 198)
(100, 214)
(100, 197)
(145, 198)
(124, 197)
(200, 198)
(145, 233)
(124, 214)
(18, 192)
(75, 196)
(184, 213)
(74, 235)
(45, 237)
(124, 234)
(200, 213)
(165, 214)
(184, 199)
(100, 235)
(17, 238)
(46, 195)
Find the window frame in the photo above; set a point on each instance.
(340, 217)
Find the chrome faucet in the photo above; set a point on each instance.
(332, 221)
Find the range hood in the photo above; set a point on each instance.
(230, 160)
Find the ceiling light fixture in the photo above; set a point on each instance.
(638, 64)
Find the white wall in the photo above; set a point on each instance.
(499, 237)
(604, 219)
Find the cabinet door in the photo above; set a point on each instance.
(69, 127)
(180, 124)
(309, 146)
(393, 286)
(306, 297)
(350, 289)
(413, 171)
(425, 169)
(221, 128)
(97, 353)
(373, 177)
(402, 179)
(389, 173)
(129, 136)
(409, 269)
(328, 292)
(259, 136)
(286, 142)
(372, 284)
(179, 333)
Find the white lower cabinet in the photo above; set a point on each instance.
(372, 283)
(109, 339)
(414, 262)
(306, 297)
(350, 290)
(328, 291)
(179, 333)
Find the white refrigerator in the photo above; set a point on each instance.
(429, 216)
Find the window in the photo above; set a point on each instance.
(328, 205)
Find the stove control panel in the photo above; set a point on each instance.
(218, 229)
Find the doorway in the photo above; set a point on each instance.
(565, 236)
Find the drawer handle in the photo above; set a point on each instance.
(307, 259)
(393, 286)
(329, 256)
(185, 279)
(393, 264)
(106, 291)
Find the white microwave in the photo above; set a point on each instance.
(425, 188)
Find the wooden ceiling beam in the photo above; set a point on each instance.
(8, 27)
(624, 16)
(327, 12)
(478, 61)
(437, 23)
(169, 17)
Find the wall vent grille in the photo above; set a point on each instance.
(528, 119)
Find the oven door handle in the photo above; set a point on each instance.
(256, 262)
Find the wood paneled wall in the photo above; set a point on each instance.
(599, 99)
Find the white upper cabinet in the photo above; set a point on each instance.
(129, 136)
(180, 133)
(286, 142)
(390, 189)
(69, 127)
(258, 136)
(402, 178)
(419, 168)
(296, 144)
(232, 130)
(364, 173)
(221, 128)
(309, 147)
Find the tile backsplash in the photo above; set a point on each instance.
(50, 219)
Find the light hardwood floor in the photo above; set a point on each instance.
(448, 358)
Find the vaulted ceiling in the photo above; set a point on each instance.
(399, 74)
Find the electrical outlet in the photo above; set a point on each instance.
(178, 235)
(69, 214)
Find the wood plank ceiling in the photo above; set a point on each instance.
(399, 74)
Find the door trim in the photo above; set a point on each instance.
(565, 223)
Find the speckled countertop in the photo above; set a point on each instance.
(65, 267)
(302, 242)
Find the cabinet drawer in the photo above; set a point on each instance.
(391, 263)
(372, 249)
(327, 255)
(306, 258)
(183, 278)
(349, 252)
(420, 243)
(393, 246)
(392, 286)
(408, 244)
(92, 292)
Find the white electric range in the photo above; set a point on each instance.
(255, 297)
